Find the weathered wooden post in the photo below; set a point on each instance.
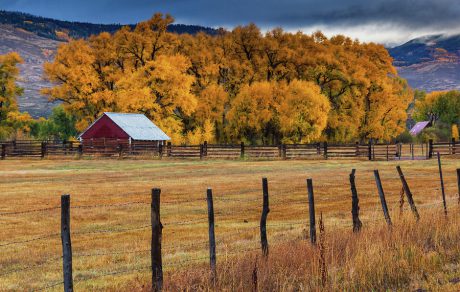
(325, 150)
(382, 197)
(160, 150)
(369, 149)
(442, 184)
(242, 150)
(212, 238)
(157, 266)
(263, 218)
(430, 148)
(169, 151)
(66, 243)
(201, 151)
(43, 149)
(453, 146)
(357, 149)
(3, 154)
(80, 150)
(357, 224)
(458, 184)
(311, 208)
(120, 150)
(205, 148)
(318, 148)
(406, 188)
(284, 151)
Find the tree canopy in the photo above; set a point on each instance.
(235, 85)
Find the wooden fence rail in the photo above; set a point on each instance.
(324, 150)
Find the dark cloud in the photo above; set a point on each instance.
(404, 15)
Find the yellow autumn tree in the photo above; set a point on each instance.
(303, 112)
(12, 122)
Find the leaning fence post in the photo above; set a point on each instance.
(212, 238)
(263, 218)
(157, 267)
(311, 208)
(406, 188)
(382, 197)
(442, 185)
(357, 224)
(43, 149)
(66, 243)
(242, 150)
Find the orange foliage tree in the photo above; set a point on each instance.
(234, 85)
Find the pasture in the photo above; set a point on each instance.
(110, 214)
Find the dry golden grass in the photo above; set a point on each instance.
(409, 256)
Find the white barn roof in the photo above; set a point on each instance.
(137, 126)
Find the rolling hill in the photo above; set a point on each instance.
(36, 40)
(430, 63)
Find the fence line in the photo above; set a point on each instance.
(117, 148)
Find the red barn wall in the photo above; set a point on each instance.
(105, 128)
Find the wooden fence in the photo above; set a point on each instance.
(324, 150)
(156, 227)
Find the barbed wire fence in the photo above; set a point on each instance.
(250, 230)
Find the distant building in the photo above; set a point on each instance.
(420, 126)
(123, 129)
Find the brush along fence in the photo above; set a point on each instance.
(124, 148)
(215, 210)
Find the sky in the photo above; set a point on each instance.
(389, 22)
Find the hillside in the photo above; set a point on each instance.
(36, 40)
(430, 63)
(35, 51)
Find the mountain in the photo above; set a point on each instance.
(431, 63)
(36, 40)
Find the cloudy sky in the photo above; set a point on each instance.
(385, 21)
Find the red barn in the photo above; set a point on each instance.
(122, 130)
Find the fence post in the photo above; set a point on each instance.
(43, 149)
(212, 238)
(325, 150)
(458, 184)
(284, 151)
(430, 148)
(382, 197)
(442, 184)
(80, 150)
(205, 148)
(120, 150)
(357, 149)
(66, 243)
(357, 224)
(242, 150)
(3, 155)
(453, 146)
(318, 148)
(169, 151)
(369, 149)
(406, 188)
(160, 150)
(201, 151)
(311, 208)
(263, 218)
(157, 267)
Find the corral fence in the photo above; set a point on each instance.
(157, 224)
(323, 150)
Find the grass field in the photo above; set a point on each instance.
(111, 239)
